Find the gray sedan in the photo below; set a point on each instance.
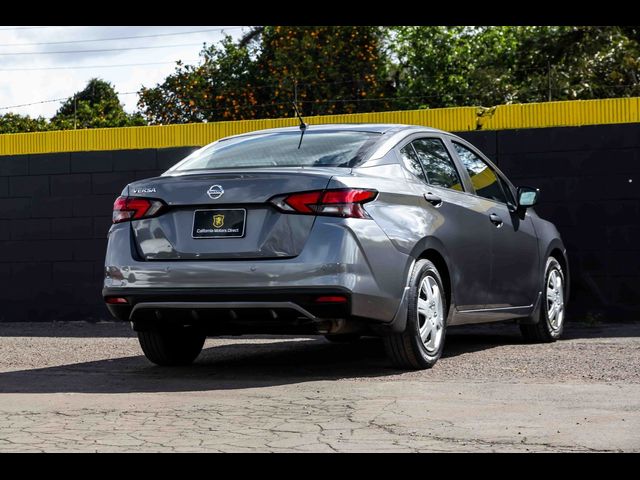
(341, 230)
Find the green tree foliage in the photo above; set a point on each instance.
(360, 69)
(582, 62)
(222, 87)
(259, 76)
(448, 66)
(97, 106)
(347, 69)
(15, 123)
(332, 69)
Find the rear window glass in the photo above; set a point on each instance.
(318, 149)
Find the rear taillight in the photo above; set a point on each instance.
(344, 202)
(116, 300)
(135, 208)
(331, 299)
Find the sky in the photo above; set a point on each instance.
(42, 63)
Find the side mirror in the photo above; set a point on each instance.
(528, 197)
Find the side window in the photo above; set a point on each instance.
(437, 163)
(484, 180)
(412, 162)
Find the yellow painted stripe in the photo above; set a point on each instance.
(570, 113)
(459, 119)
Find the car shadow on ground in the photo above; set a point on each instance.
(252, 364)
(246, 364)
(109, 329)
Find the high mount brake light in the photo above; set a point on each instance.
(135, 208)
(344, 202)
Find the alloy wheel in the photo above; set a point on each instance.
(555, 300)
(430, 314)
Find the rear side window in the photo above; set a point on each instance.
(485, 181)
(280, 149)
(412, 162)
(437, 163)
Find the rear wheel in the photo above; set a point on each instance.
(552, 311)
(422, 342)
(172, 346)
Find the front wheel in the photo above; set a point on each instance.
(552, 311)
(422, 342)
(172, 346)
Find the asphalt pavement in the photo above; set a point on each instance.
(83, 387)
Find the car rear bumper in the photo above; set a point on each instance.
(301, 302)
(348, 257)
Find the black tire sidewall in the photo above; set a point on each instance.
(171, 346)
(423, 269)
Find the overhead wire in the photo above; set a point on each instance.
(108, 39)
(330, 100)
(284, 84)
(147, 47)
(36, 27)
(54, 100)
(69, 67)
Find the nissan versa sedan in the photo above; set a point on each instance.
(394, 231)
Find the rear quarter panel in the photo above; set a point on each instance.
(398, 223)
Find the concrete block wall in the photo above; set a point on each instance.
(55, 211)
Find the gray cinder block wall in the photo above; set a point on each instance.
(55, 211)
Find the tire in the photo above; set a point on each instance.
(172, 346)
(343, 338)
(407, 350)
(551, 322)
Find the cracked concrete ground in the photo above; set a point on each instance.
(82, 387)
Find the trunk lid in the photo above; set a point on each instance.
(226, 203)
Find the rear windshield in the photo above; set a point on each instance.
(318, 149)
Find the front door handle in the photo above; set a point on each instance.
(434, 200)
(496, 220)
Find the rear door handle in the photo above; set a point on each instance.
(434, 200)
(496, 220)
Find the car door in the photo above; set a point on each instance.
(464, 231)
(514, 257)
